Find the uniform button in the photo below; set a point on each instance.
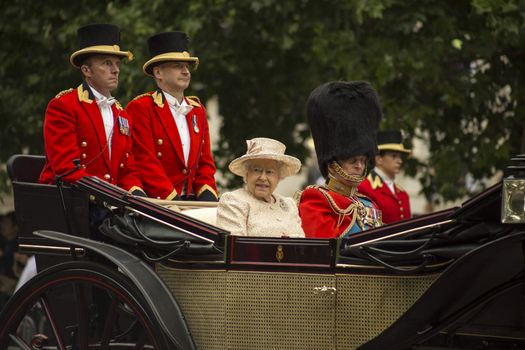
(160, 142)
(402, 216)
(159, 154)
(400, 202)
(107, 177)
(401, 209)
(127, 155)
(121, 165)
(158, 197)
(184, 171)
(83, 166)
(83, 144)
(84, 156)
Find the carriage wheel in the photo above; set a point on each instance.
(79, 305)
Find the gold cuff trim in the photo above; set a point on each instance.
(207, 188)
(172, 195)
(135, 188)
(394, 147)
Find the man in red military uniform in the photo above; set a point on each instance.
(86, 125)
(343, 118)
(171, 137)
(380, 186)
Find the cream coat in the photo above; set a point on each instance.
(244, 215)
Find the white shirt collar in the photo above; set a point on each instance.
(172, 100)
(97, 94)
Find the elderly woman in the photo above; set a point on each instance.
(255, 210)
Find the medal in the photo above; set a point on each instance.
(195, 127)
(123, 125)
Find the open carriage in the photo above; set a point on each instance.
(151, 278)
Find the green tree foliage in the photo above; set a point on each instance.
(448, 72)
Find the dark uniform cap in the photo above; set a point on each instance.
(101, 39)
(391, 140)
(168, 46)
(343, 118)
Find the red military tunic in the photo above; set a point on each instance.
(394, 206)
(158, 149)
(327, 214)
(74, 129)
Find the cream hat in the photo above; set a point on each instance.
(264, 148)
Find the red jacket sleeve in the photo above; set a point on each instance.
(60, 138)
(318, 218)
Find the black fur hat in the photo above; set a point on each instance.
(344, 118)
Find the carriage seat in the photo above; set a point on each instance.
(207, 215)
(39, 206)
(25, 167)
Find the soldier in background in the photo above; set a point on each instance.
(171, 137)
(380, 186)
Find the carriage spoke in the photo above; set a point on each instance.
(108, 326)
(82, 314)
(52, 322)
(20, 342)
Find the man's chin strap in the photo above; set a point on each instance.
(352, 180)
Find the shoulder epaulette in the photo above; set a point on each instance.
(141, 95)
(194, 101)
(62, 93)
(375, 181)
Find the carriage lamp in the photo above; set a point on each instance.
(513, 201)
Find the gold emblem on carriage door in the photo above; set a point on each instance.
(279, 255)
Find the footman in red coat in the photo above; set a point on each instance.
(171, 137)
(86, 125)
(380, 186)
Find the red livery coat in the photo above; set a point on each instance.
(394, 206)
(74, 129)
(327, 214)
(158, 149)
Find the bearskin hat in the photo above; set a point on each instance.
(343, 118)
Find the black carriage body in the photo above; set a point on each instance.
(449, 280)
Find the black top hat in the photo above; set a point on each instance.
(344, 118)
(101, 39)
(168, 46)
(391, 140)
